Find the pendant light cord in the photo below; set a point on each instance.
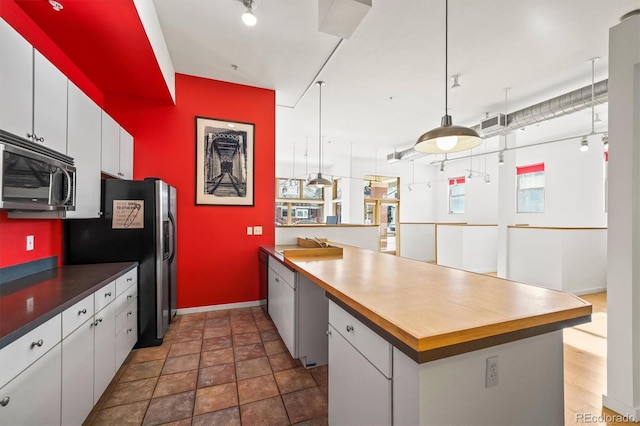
(593, 61)
(446, 56)
(320, 83)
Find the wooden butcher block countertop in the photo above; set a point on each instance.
(432, 312)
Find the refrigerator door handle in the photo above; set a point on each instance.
(172, 237)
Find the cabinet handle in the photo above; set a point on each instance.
(277, 280)
(82, 311)
(5, 401)
(34, 137)
(129, 296)
(328, 332)
(129, 313)
(98, 321)
(39, 344)
(349, 328)
(129, 330)
(129, 279)
(107, 294)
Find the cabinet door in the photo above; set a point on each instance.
(110, 147)
(16, 82)
(282, 310)
(77, 374)
(49, 104)
(83, 144)
(33, 397)
(104, 349)
(126, 155)
(358, 393)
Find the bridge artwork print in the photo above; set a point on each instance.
(224, 162)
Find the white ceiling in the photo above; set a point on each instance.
(385, 85)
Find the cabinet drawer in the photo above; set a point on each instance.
(77, 314)
(366, 341)
(126, 339)
(23, 352)
(124, 299)
(126, 281)
(285, 273)
(104, 296)
(127, 312)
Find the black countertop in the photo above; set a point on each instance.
(28, 302)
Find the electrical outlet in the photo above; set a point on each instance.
(257, 230)
(491, 375)
(30, 305)
(29, 242)
(249, 230)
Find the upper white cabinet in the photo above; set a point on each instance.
(33, 104)
(49, 104)
(117, 149)
(16, 82)
(126, 154)
(83, 144)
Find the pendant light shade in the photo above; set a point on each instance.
(318, 181)
(447, 137)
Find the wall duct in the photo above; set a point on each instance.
(567, 103)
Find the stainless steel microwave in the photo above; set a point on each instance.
(31, 180)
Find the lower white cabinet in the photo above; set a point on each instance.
(77, 374)
(359, 392)
(33, 397)
(282, 303)
(104, 344)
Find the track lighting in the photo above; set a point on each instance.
(429, 185)
(487, 179)
(501, 158)
(470, 175)
(248, 17)
(442, 167)
(605, 142)
(584, 144)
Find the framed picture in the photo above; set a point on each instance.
(224, 162)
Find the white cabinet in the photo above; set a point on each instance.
(34, 93)
(299, 310)
(104, 357)
(30, 377)
(282, 303)
(126, 154)
(16, 82)
(33, 397)
(49, 104)
(117, 149)
(126, 315)
(83, 144)
(359, 374)
(77, 362)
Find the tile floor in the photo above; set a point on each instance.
(215, 368)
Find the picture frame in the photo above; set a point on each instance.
(224, 162)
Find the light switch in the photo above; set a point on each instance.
(257, 230)
(249, 230)
(29, 242)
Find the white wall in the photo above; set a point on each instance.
(418, 241)
(471, 248)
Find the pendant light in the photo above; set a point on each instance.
(248, 17)
(318, 181)
(447, 137)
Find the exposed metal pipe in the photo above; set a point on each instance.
(567, 103)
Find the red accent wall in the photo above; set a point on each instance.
(47, 235)
(217, 261)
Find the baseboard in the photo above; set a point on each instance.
(626, 412)
(209, 308)
(590, 291)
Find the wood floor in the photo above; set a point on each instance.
(585, 368)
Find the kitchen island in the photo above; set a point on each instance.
(435, 345)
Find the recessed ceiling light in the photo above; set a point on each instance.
(55, 5)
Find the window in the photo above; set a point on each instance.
(456, 195)
(298, 204)
(530, 188)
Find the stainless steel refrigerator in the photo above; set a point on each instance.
(138, 223)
